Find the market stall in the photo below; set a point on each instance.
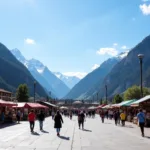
(143, 103)
(6, 110)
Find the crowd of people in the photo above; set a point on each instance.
(119, 117)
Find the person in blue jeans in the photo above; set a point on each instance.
(41, 118)
(141, 119)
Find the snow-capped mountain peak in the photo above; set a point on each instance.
(122, 54)
(70, 81)
(18, 55)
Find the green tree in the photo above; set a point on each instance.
(134, 92)
(22, 94)
(117, 99)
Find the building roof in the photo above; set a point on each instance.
(2, 90)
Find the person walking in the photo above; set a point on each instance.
(102, 115)
(116, 116)
(31, 118)
(53, 114)
(70, 115)
(18, 115)
(58, 122)
(123, 118)
(141, 120)
(41, 118)
(81, 118)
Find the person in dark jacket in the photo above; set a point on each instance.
(81, 119)
(58, 122)
(116, 117)
(41, 118)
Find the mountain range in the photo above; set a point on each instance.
(90, 83)
(43, 75)
(13, 73)
(118, 73)
(127, 72)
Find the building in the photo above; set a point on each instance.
(5, 95)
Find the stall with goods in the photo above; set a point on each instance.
(143, 103)
(25, 108)
(6, 111)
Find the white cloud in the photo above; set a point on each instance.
(115, 44)
(77, 74)
(145, 8)
(29, 41)
(124, 47)
(95, 66)
(107, 50)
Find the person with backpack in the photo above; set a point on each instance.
(41, 118)
(141, 120)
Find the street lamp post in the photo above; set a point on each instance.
(34, 90)
(106, 92)
(141, 72)
(97, 96)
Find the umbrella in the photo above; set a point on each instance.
(63, 107)
(77, 102)
(92, 107)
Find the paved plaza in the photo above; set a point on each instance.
(96, 136)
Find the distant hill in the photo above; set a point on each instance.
(43, 75)
(13, 73)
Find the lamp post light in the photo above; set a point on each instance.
(106, 93)
(141, 71)
(34, 90)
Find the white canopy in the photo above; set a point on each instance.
(63, 107)
(77, 102)
(92, 107)
(136, 103)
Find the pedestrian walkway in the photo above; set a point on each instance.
(95, 136)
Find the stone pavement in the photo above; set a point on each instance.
(96, 136)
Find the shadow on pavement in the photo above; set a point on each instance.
(35, 133)
(64, 138)
(87, 130)
(148, 137)
(44, 131)
(126, 126)
(107, 123)
(129, 126)
(5, 125)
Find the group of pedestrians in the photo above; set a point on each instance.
(41, 117)
(121, 116)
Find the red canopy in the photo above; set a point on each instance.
(100, 106)
(34, 105)
(7, 103)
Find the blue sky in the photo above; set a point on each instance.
(72, 36)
